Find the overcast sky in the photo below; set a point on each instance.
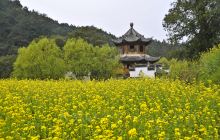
(113, 16)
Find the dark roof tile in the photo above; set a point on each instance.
(143, 58)
(132, 36)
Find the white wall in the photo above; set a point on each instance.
(144, 70)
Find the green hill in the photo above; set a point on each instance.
(19, 26)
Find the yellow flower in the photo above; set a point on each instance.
(43, 128)
(177, 133)
(108, 109)
(135, 120)
(120, 122)
(35, 137)
(113, 126)
(143, 106)
(128, 117)
(132, 132)
(161, 135)
(104, 121)
(187, 138)
(120, 138)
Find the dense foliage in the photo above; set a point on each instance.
(164, 49)
(197, 22)
(205, 69)
(210, 65)
(114, 109)
(184, 70)
(40, 60)
(83, 59)
(43, 59)
(6, 65)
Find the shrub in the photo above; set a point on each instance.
(181, 69)
(165, 63)
(210, 65)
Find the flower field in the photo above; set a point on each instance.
(114, 109)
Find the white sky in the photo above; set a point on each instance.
(113, 16)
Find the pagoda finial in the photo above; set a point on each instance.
(132, 24)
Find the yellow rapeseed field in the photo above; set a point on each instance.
(142, 109)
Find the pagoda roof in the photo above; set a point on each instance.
(138, 59)
(132, 36)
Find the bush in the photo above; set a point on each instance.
(180, 69)
(165, 63)
(210, 65)
(206, 69)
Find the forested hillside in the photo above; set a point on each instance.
(19, 26)
(164, 49)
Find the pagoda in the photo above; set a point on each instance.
(133, 48)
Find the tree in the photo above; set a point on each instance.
(106, 62)
(164, 49)
(40, 60)
(6, 65)
(196, 22)
(78, 56)
(83, 58)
